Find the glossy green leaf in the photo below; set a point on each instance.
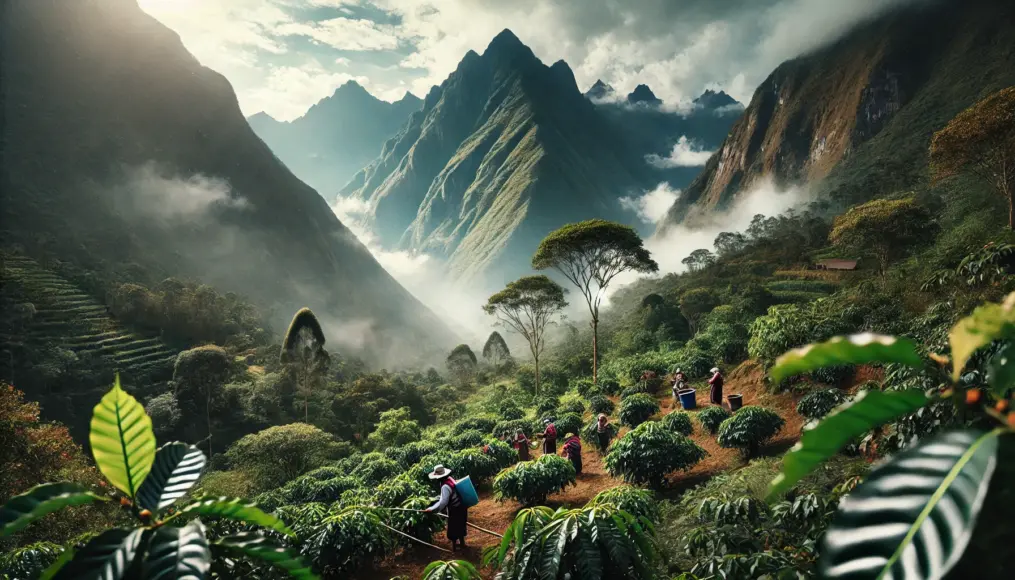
(254, 545)
(233, 509)
(1001, 373)
(913, 516)
(105, 557)
(176, 468)
(123, 443)
(35, 503)
(68, 554)
(986, 324)
(451, 570)
(868, 410)
(178, 553)
(841, 350)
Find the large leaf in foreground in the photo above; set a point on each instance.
(868, 410)
(986, 324)
(255, 545)
(233, 509)
(123, 443)
(913, 517)
(105, 557)
(451, 570)
(176, 468)
(844, 350)
(178, 553)
(35, 503)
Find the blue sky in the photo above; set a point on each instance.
(282, 56)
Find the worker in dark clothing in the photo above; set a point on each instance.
(573, 451)
(458, 514)
(715, 393)
(549, 436)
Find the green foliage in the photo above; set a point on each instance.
(417, 524)
(568, 423)
(934, 514)
(462, 363)
(482, 423)
(636, 501)
(255, 545)
(39, 501)
(637, 409)
(409, 454)
(817, 404)
(696, 303)
(749, 428)
(529, 482)
(584, 387)
(590, 432)
(464, 440)
(451, 570)
(609, 386)
(394, 492)
(510, 411)
(472, 462)
(678, 422)
(29, 561)
(502, 453)
(594, 543)
(279, 454)
(635, 389)
(511, 427)
(650, 452)
(347, 540)
(122, 440)
(495, 350)
(846, 350)
(886, 228)
(986, 324)
(375, 468)
(600, 404)
(396, 427)
(546, 406)
(711, 417)
(571, 404)
(787, 326)
(304, 332)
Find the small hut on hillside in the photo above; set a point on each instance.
(836, 264)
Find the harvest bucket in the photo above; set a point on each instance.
(736, 401)
(688, 399)
(466, 492)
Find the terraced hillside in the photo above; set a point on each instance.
(52, 313)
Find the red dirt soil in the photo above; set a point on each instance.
(747, 379)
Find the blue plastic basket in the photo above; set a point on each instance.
(688, 399)
(466, 492)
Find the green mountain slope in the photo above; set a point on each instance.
(858, 115)
(504, 151)
(122, 152)
(337, 137)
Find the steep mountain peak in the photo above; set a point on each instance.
(713, 100)
(409, 99)
(643, 94)
(505, 40)
(352, 88)
(564, 74)
(261, 117)
(599, 90)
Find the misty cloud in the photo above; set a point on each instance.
(685, 153)
(652, 205)
(154, 192)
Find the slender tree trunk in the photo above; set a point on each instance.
(1011, 213)
(535, 357)
(207, 416)
(595, 351)
(306, 397)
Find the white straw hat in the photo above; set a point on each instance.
(714, 370)
(439, 472)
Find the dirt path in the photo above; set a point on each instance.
(747, 379)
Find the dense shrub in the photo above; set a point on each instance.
(695, 362)
(422, 526)
(546, 406)
(29, 561)
(788, 326)
(571, 404)
(347, 540)
(510, 427)
(307, 489)
(600, 404)
(529, 482)
(649, 452)
(633, 500)
(636, 409)
(503, 453)
(635, 389)
(749, 428)
(712, 416)
(590, 432)
(629, 368)
(472, 462)
(376, 468)
(393, 492)
(833, 375)
(583, 386)
(410, 454)
(395, 427)
(678, 422)
(465, 439)
(483, 423)
(509, 411)
(327, 472)
(278, 454)
(609, 386)
(568, 423)
(817, 404)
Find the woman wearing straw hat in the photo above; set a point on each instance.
(715, 392)
(458, 514)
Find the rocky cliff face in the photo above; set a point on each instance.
(892, 80)
(122, 153)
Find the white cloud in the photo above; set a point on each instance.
(289, 91)
(652, 205)
(685, 153)
(344, 33)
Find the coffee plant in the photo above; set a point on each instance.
(633, 500)
(481, 423)
(569, 423)
(712, 416)
(409, 454)
(649, 453)
(503, 454)
(637, 409)
(678, 422)
(946, 475)
(546, 406)
(571, 404)
(609, 386)
(346, 540)
(817, 404)
(600, 404)
(584, 387)
(530, 482)
(749, 428)
(510, 427)
(509, 411)
(590, 432)
(169, 541)
(451, 570)
(29, 561)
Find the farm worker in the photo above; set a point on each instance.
(549, 436)
(715, 393)
(573, 451)
(458, 514)
(603, 431)
(679, 383)
(521, 444)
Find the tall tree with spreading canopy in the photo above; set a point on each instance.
(885, 227)
(496, 351)
(729, 242)
(981, 140)
(698, 260)
(528, 306)
(695, 304)
(199, 376)
(591, 254)
(462, 363)
(303, 352)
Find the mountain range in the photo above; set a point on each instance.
(337, 137)
(855, 118)
(126, 157)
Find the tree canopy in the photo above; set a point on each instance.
(462, 362)
(885, 227)
(278, 454)
(696, 303)
(496, 350)
(981, 140)
(303, 351)
(527, 306)
(698, 260)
